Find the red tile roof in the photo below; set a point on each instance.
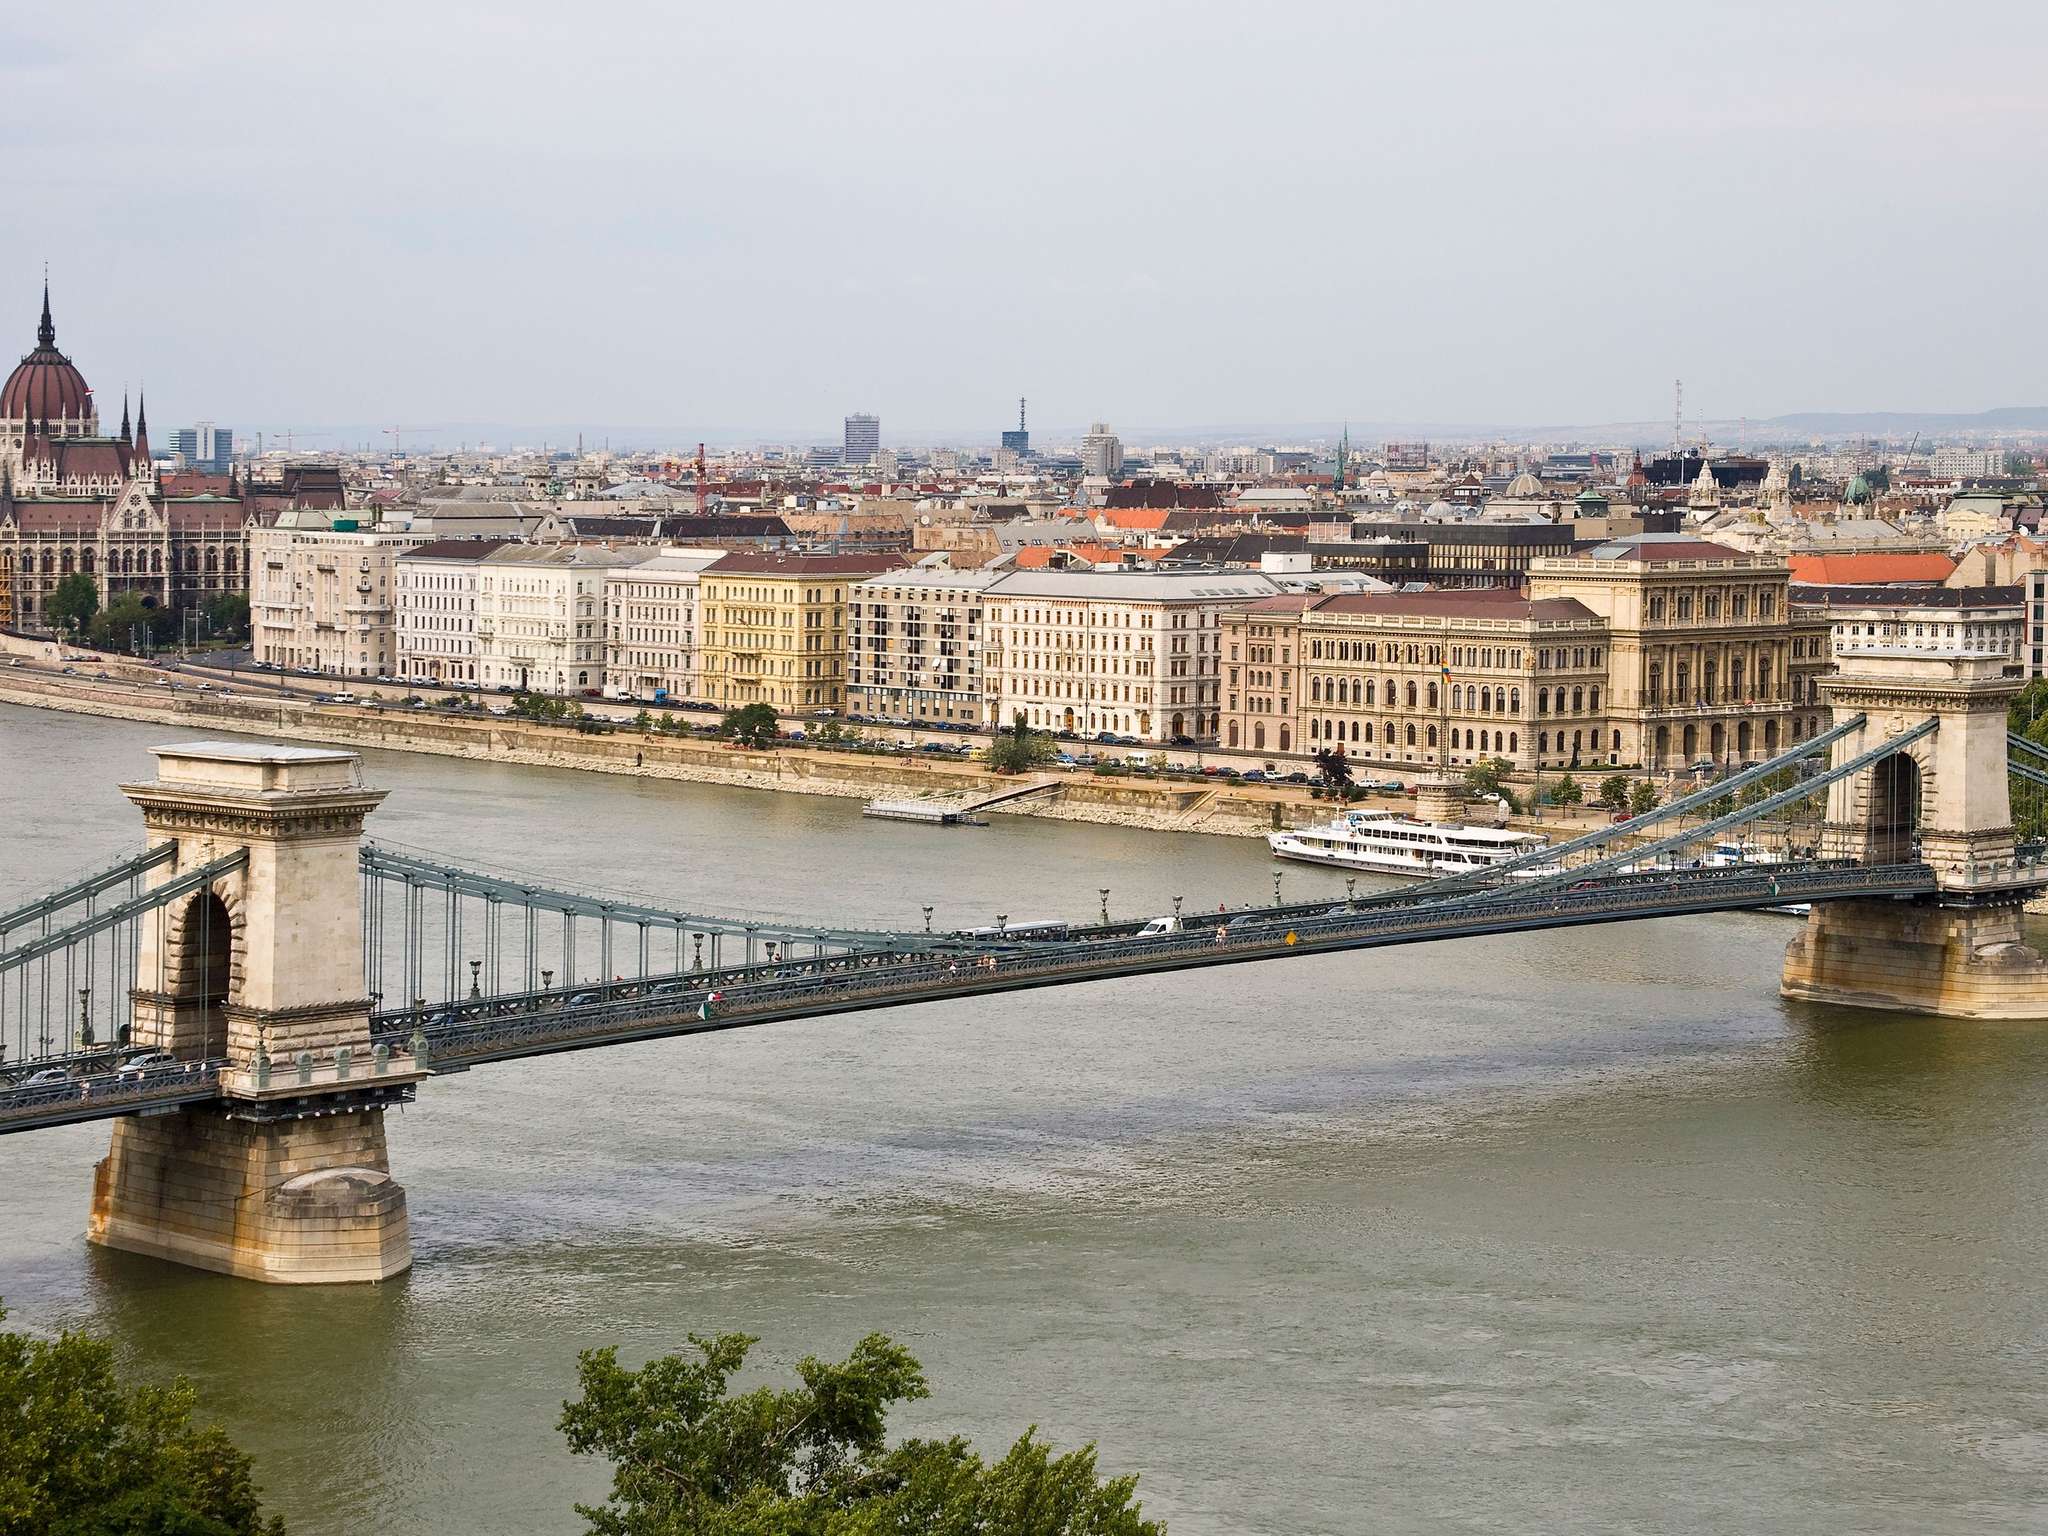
(1874, 569)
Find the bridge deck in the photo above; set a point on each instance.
(483, 1030)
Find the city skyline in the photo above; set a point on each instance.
(1173, 224)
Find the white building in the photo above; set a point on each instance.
(650, 626)
(1978, 619)
(1102, 453)
(437, 591)
(1966, 463)
(914, 645)
(323, 594)
(540, 616)
(1130, 653)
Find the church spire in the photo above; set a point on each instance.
(141, 426)
(125, 437)
(46, 333)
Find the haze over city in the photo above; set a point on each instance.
(742, 222)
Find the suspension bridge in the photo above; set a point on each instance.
(246, 995)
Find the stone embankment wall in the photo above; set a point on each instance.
(1174, 807)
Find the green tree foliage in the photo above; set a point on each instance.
(1566, 791)
(82, 1456)
(127, 621)
(1019, 748)
(751, 725)
(227, 616)
(691, 1459)
(1333, 768)
(2019, 465)
(1642, 798)
(73, 604)
(1614, 792)
(1489, 776)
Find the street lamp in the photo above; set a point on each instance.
(1276, 887)
(1103, 892)
(927, 919)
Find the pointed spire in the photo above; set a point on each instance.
(142, 426)
(125, 437)
(46, 333)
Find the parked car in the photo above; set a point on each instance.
(1256, 776)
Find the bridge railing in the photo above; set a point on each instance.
(1254, 933)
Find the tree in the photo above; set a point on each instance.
(81, 1454)
(227, 616)
(1566, 791)
(1489, 776)
(2019, 465)
(751, 725)
(127, 619)
(1334, 768)
(1019, 747)
(73, 603)
(812, 1460)
(1642, 799)
(1614, 792)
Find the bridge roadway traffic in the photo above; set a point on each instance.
(473, 1032)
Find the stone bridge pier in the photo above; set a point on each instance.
(286, 1178)
(1941, 800)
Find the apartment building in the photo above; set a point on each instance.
(1706, 659)
(1130, 653)
(773, 627)
(540, 622)
(914, 643)
(651, 626)
(323, 594)
(436, 624)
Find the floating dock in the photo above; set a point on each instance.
(952, 810)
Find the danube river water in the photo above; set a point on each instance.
(1579, 1231)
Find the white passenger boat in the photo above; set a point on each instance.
(1389, 843)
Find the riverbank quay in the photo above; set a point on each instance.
(1230, 810)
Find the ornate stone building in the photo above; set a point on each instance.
(75, 501)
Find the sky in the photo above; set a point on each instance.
(741, 222)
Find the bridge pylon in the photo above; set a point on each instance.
(1940, 800)
(287, 1178)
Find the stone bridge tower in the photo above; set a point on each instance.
(1941, 800)
(286, 1178)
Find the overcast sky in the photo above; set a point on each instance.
(746, 220)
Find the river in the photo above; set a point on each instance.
(1579, 1231)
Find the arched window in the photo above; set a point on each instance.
(1233, 733)
(1593, 698)
(1259, 736)
(87, 559)
(156, 562)
(1542, 742)
(1315, 690)
(1515, 701)
(1457, 698)
(1358, 687)
(1387, 693)
(1486, 701)
(1315, 729)
(1411, 695)
(1411, 733)
(1515, 740)
(64, 562)
(212, 561)
(1432, 736)
(1432, 695)
(49, 563)
(1286, 738)
(1368, 731)
(1578, 701)
(231, 560)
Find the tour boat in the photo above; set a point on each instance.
(1389, 843)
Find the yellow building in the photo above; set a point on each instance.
(773, 627)
(1706, 660)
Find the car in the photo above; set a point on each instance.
(1184, 741)
(665, 989)
(1063, 759)
(103, 677)
(505, 688)
(1297, 778)
(49, 1077)
(584, 999)
(1256, 776)
(17, 662)
(71, 671)
(147, 1063)
(421, 704)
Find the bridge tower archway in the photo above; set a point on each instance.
(1940, 800)
(260, 971)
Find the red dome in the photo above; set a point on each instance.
(45, 386)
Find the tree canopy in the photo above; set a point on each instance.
(1019, 747)
(751, 725)
(82, 1456)
(73, 603)
(691, 1458)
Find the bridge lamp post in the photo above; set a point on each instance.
(475, 974)
(85, 1017)
(547, 981)
(696, 951)
(927, 919)
(1103, 892)
(1276, 887)
(1351, 891)
(1176, 908)
(1002, 923)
